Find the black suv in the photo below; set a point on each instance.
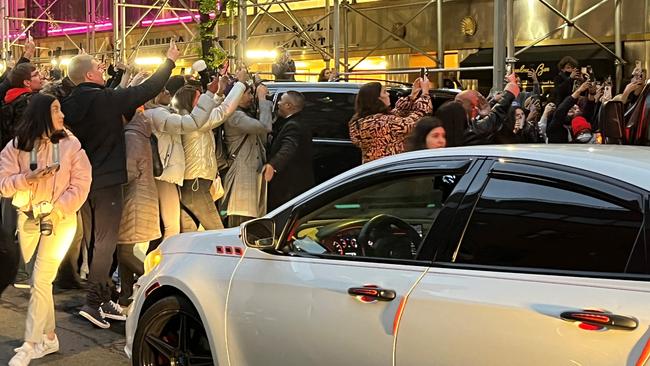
(329, 107)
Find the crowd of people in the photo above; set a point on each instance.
(95, 173)
(570, 114)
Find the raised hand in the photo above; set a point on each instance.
(172, 52)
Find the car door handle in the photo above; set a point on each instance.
(371, 293)
(601, 319)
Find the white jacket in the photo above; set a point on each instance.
(168, 128)
(199, 146)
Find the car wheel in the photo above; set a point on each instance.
(171, 333)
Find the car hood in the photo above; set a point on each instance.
(202, 242)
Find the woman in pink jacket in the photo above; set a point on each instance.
(48, 175)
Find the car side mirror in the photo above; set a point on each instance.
(259, 233)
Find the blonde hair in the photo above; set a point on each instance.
(78, 67)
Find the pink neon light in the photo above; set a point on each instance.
(169, 20)
(79, 29)
(108, 25)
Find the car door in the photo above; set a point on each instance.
(548, 259)
(324, 303)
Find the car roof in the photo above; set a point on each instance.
(629, 164)
(343, 85)
(309, 85)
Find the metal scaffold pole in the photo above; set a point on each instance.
(336, 35)
(511, 60)
(498, 54)
(618, 45)
(4, 29)
(440, 50)
(243, 32)
(117, 46)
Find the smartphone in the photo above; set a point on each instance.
(607, 92)
(422, 71)
(52, 168)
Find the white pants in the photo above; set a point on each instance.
(50, 253)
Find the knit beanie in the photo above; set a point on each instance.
(579, 124)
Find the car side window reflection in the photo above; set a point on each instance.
(328, 114)
(385, 220)
(533, 224)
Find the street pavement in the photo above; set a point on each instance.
(81, 343)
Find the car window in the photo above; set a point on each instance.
(328, 113)
(385, 220)
(534, 224)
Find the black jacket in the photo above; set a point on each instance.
(290, 155)
(559, 127)
(280, 71)
(484, 131)
(562, 87)
(4, 80)
(11, 115)
(94, 114)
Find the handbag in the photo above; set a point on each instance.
(216, 189)
(155, 157)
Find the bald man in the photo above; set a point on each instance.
(484, 123)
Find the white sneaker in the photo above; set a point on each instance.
(23, 356)
(47, 346)
(44, 348)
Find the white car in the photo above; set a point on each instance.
(494, 255)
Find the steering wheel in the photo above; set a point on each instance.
(380, 223)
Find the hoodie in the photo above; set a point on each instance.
(17, 100)
(13, 94)
(94, 114)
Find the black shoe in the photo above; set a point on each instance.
(94, 316)
(112, 310)
(23, 284)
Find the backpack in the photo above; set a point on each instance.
(10, 114)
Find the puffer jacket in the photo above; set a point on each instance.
(168, 128)
(140, 220)
(199, 146)
(67, 190)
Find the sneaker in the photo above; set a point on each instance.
(44, 348)
(23, 284)
(47, 346)
(23, 356)
(112, 310)
(94, 316)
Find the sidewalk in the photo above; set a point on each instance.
(81, 343)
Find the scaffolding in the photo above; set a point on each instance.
(337, 13)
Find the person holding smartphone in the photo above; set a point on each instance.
(47, 174)
(95, 114)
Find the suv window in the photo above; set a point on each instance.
(328, 113)
(402, 212)
(533, 224)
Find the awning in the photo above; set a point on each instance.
(589, 54)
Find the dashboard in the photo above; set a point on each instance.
(342, 237)
(344, 243)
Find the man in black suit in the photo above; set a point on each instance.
(289, 168)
